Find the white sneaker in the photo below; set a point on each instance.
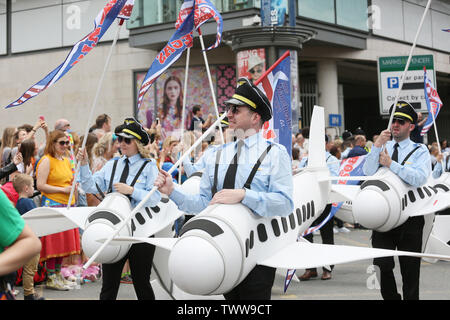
(335, 230)
(68, 284)
(54, 283)
(344, 230)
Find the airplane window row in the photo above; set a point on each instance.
(421, 193)
(138, 216)
(307, 211)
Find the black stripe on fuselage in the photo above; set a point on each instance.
(202, 224)
(378, 183)
(104, 215)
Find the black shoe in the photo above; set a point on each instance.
(33, 297)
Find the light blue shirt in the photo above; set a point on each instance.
(191, 168)
(270, 192)
(142, 186)
(414, 172)
(333, 164)
(437, 171)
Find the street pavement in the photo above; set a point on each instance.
(352, 281)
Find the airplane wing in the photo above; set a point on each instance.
(45, 220)
(440, 237)
(439, 202)
(343, 192)
(152, 220)
(303, 255)
(164, 243)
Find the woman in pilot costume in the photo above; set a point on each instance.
(133, 175)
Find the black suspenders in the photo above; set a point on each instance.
(409, 155)
(216, 170)
(250, 177)
(135, 178)
(256, 167)
(112, 176)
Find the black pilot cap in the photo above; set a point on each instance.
(404, 111)
(249, 95)
(133, 129)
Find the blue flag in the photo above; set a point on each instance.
(277, 87)
(102, 22)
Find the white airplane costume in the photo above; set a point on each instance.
(218, 247)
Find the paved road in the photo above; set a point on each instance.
(353, 281)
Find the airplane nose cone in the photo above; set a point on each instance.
(371, 209)
(196, 266)
(89, 243)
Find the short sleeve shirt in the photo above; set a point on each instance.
(11, 223)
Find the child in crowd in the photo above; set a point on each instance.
(23, 184)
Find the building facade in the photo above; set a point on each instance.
(337, 68)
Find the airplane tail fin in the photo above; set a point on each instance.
(316, 148)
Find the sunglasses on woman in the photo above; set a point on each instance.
(126, 140)
(64, 143)
(258, 70)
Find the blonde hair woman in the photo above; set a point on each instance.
(132, 175)
(8, 143)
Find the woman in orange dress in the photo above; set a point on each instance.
(54, 180)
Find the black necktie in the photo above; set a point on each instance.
(126, 169)
(230, 176)
(395, 153)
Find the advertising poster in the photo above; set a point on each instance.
(273, 12)
(251, 63)
(164, 100)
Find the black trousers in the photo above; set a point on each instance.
(407, 237)
(326, 232)
(140, 257)
(256, 286)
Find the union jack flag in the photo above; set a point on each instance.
(434, 103)
(277, 87)
(102, 22)
(188, 20)
(204, 10)
(125, 13)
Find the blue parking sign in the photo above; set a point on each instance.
(392, 82)
(334, 120)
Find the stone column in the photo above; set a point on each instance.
(327, 83)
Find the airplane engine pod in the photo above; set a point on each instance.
(196, 265)
(209, 256)
(377, 206)
(101, 223)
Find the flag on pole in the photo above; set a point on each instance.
(102, 22)
(434, 103)
(446, 30)
(188, 20)
(349, 167)
(204, 10)
(125, 13)
(277, 87)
